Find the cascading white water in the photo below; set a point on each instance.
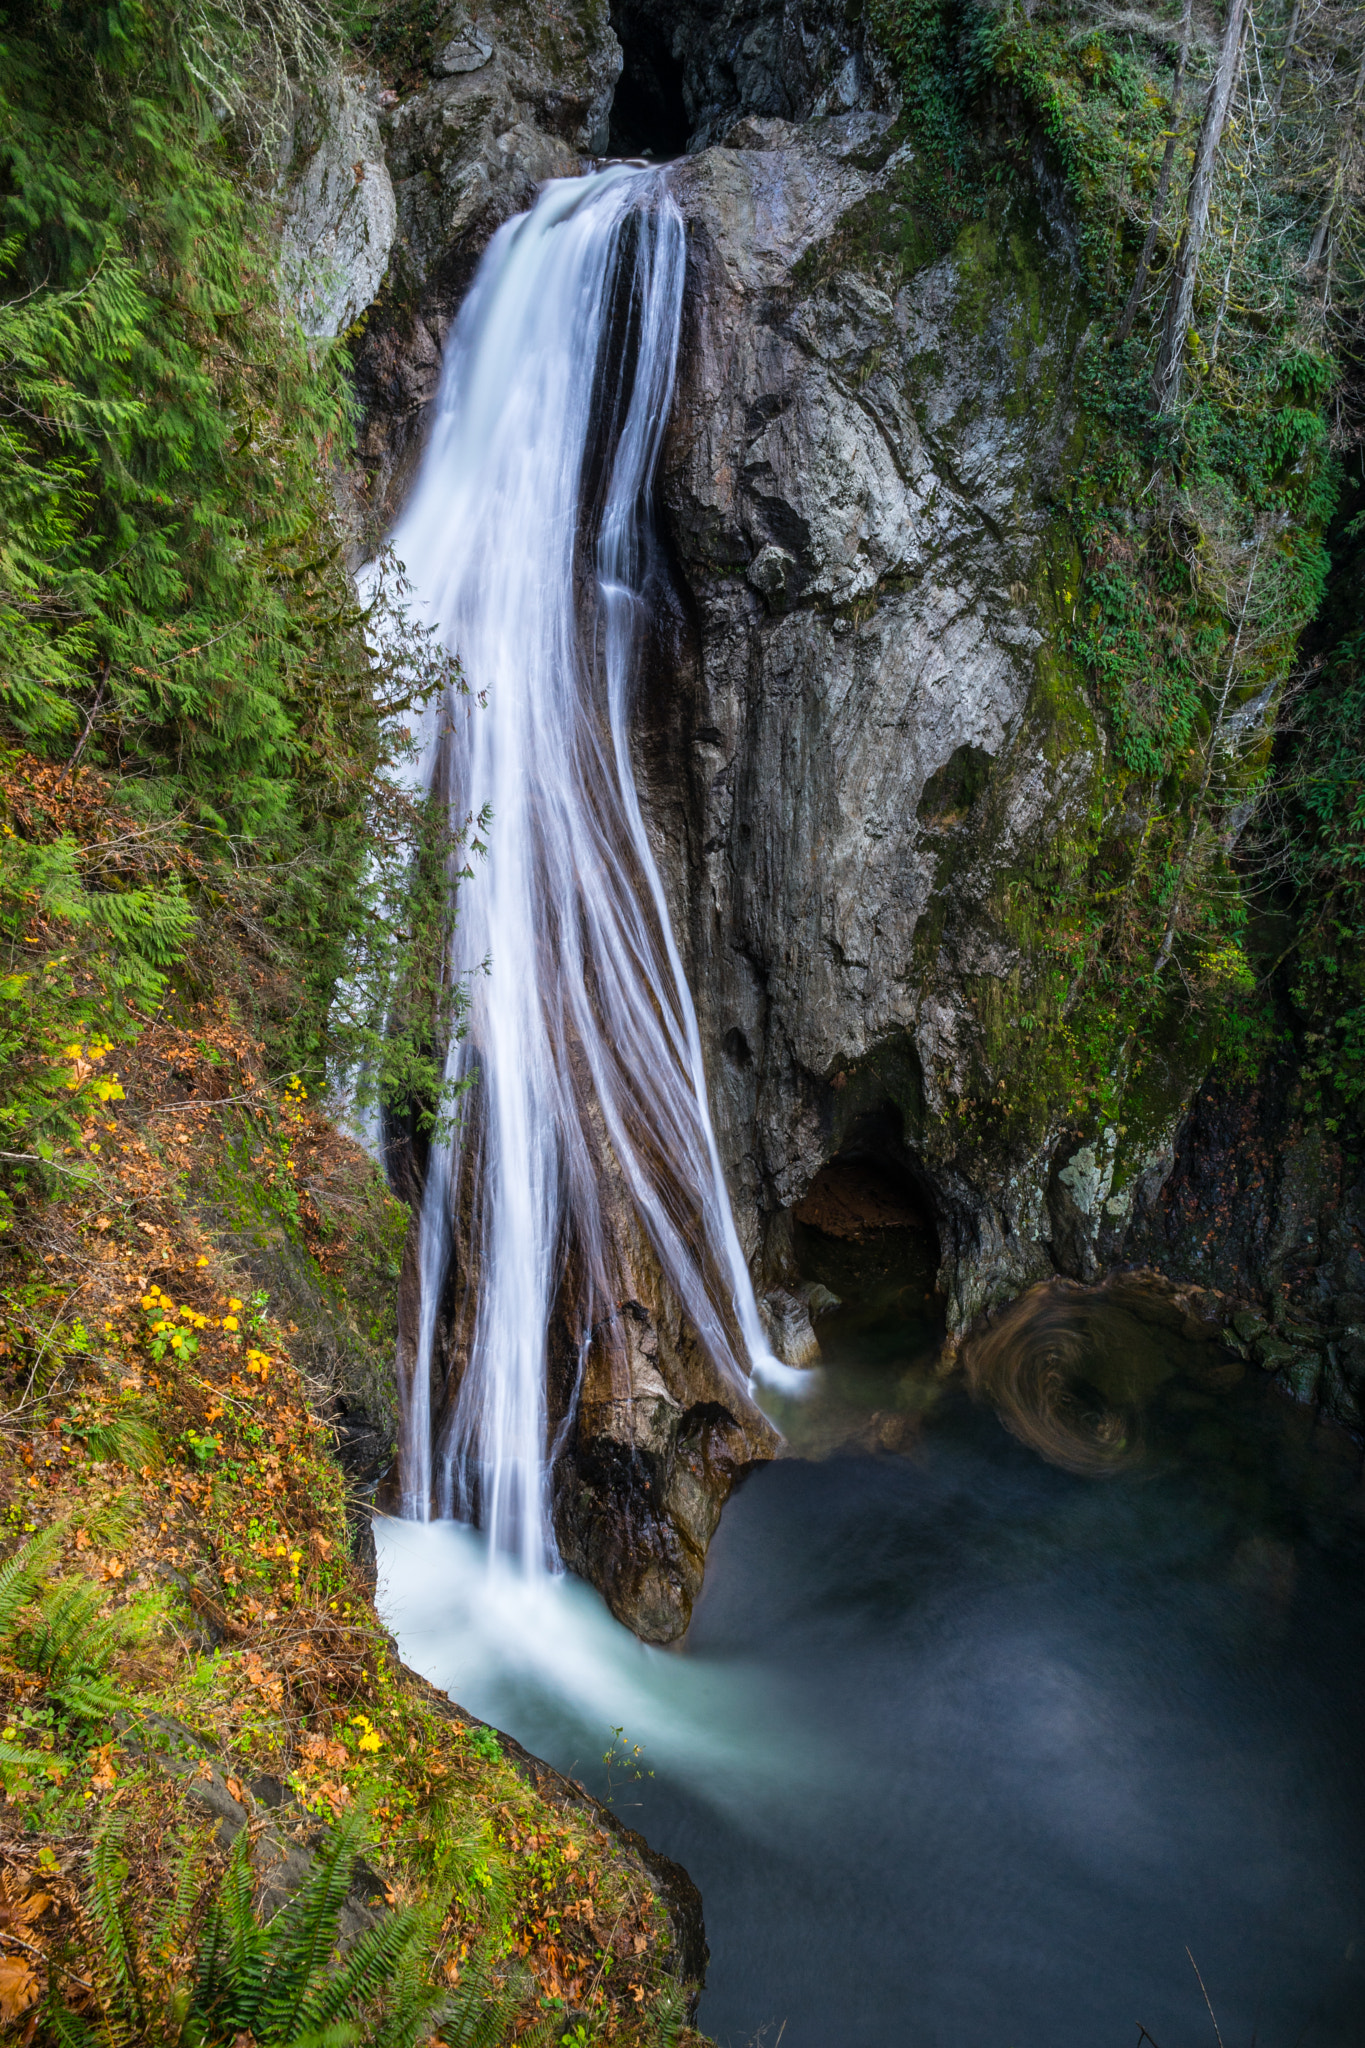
(526, 541)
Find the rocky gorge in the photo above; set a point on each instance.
(878, 775)
(682, 1021)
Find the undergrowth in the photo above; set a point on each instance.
(188, 1651)
(204, 732)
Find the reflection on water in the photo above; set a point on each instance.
(964, 1748)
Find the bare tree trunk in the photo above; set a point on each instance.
(1197, 808)
(1334, 190)
(1180, 301)
(1163, 187)
(1283, 66)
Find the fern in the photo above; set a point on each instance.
(21, 1573)
(105, 1914)
(303, 1934)
(71, 1643)
(669, 2017)
(230, 1967)
(478, 2012)
(280, 1984)
(170, 1919)
(379, 1960)
(67, 2029)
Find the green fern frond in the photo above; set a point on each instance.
(170, 1920)
(372, 1965)
(669, 2016)
(21, 1573)
(68, 2030)
(106, 1918)
(340, 2034)
(303, 1934)
(70, 1633)
(413, 2008)
(230, 1966)
(88, 1699)
(478, 2012)
(383, 1960)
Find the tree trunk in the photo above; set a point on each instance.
(1334, 190)
(1283, 66)
(1163, 187)
(1180, 301)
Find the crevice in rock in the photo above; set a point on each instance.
(649, 114)
(693, 68)
(863, 1190)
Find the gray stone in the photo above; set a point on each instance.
(886, 448)
(787, 1321)
(340, 216)
(460, 45)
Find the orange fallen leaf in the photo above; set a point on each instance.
(18, 1988)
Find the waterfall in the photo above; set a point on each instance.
(527, 542)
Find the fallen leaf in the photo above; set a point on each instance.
(18, 1988)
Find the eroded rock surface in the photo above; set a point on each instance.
(340, 216)
(516, 93)
(871, 733)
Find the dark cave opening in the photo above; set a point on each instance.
(649, 114)
(866, 1229)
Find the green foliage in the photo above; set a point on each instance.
(57, 1632)
(1325, 790)
(933, 44)
(20, 1576)
(398, 33)
(280, 1983)
(484, 1742)
(176, 619)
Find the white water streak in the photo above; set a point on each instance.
(585, 1011)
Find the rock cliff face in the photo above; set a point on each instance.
(871, 728)
(860, 736)
(514, 94)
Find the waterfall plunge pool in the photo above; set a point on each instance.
(966, 1749)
